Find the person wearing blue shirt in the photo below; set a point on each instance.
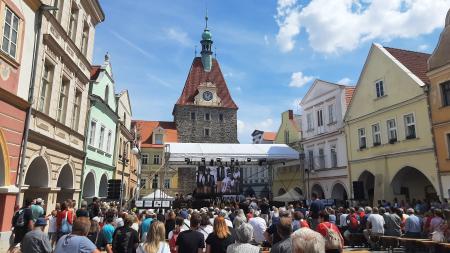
(413, 225)
(145, 226)
(105, 236)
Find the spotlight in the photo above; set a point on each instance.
(203, 160)
(249, 160)
(261, 161)
(187, 160)
(218, 159)
(232, 160)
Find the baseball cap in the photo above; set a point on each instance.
(41, 222)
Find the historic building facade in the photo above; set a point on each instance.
(102, 122)
(55, 150)
(17, 19)
(125, 141)
(152, 137)
(323, 139)
(263, 137)
(439, 99)
(388, 129)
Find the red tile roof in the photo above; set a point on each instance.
(416, 62)
(197, 75)
(349, 91)
(95, 71)
(146, 128)
(269, 136)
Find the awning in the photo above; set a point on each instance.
(178, 152)
(158, 195)
(291, 195)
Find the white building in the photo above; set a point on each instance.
(323, 139)
(263, 137)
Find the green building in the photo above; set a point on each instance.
(101, 134)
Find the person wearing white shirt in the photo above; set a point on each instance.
(375, 226)
(259, 227)
(343, 219)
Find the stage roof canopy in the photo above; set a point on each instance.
(178, 152)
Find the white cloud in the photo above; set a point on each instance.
(179, 36)
(266, 39)
(298, 79)
(342, 25)
(423, 47)
(345, 81)
(245, 129)
(133, 45)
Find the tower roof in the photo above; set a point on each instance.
(198, 75)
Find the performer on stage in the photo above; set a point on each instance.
(236, 179)
(209, 181)
(220, 176)
(200, 181)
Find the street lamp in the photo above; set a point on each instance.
(134, 151)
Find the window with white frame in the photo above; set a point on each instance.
(410, 126)
(309, 122)
(319, 118)
(376, 134)
(159, 138)
(333, 155)
(321, 158)
(101, 138)
(108, 142)
(46, 88)
(392, 130)
(331, 118)
(62, 103)
(92, 133)
(76, 110)
(10, 33)
(85, 39)
(144, 159)
(73, 22)
(362, 138)
(379, 86)
(156, 159)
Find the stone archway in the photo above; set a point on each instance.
(37, 182)
(103, 187)
(89, 186)
(316, 188)
(339, 193)
(65, 183)
(368, 180)
(417, 186)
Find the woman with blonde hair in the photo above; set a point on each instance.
(220, 238)
(155, 241)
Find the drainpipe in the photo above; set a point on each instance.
(37, 40)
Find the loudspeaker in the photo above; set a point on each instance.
(358, 190)
(114, 188)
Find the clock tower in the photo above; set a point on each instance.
(205, 111)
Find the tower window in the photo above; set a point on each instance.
(192, 115)
(221, 117)
(206, 132)
(207, 116)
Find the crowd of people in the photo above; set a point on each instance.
(249, 226)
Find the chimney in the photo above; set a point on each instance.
(291, 114)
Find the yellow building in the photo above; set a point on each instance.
(389, 142)
(439, 74)
(152, 136)
(288, 175)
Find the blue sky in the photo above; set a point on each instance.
(269, 51)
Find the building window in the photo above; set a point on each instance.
(448, 145)
(76, 110)
(192, 115)
(362, 138)
(331, 118)
(446, 93)
(319, 118)
(58, 13)
(206, 132)
(286, 137)
(311, 160)
(46, 88)
(167, 183)
(144, 159)
(92, 133)
(379, 86)
(376, 134)
(108, 142)
(156, 159)
(62, 103)
(106, 94)
(221, 117)
(410, 126)
(143, 183)
(10, 31)
(101, 138)
(207, 117)
(85, 39)
(321, 158)
(333, 155)
(73, 22)
(159, 138)
(392, 130)
(309, 121)
(155, 182)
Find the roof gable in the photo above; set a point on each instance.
(146, 129)
(125, 97)
(197, 75)
(416, 63)
(319, 88)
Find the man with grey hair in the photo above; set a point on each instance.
(375, 226)
(244, 235)
(259, 227)
(305, 240)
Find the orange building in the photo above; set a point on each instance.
(439, 99)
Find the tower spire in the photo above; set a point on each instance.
(206, 42)
(206, 19)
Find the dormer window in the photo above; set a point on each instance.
(159, 138)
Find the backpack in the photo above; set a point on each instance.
(332, 240)
(353, 222)
(19, 219)
(173, 241)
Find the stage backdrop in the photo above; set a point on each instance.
(212, 180)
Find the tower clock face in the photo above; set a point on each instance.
(207, 95)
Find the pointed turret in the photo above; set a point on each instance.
(206, 47)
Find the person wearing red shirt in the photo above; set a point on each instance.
(323, 227)
(62, 216)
